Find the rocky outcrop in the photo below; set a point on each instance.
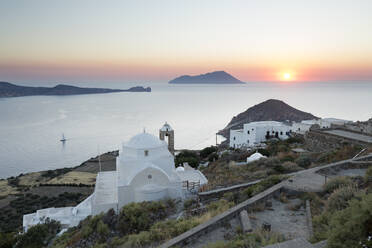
(12, 90)
(270, 110)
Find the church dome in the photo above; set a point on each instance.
(144, 141)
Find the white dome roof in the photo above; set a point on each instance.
(180, 168)
(143, 141)
(255, 156)
(166, 127)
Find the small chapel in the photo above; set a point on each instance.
(145, 171)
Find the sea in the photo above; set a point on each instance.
(31, 127)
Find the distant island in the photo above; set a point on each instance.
(12, 90)
(216, 77)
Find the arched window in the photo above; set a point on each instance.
(281, 133)
(248, 131)
(146, 153)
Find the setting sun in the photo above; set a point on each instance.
(287, 76)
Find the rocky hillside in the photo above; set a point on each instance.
(216, 77)
(12, 90)
(270, 110)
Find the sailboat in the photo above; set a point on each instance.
(63, 138)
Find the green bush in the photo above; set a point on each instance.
(336, 183)
(39, 235)
(303, 161)
(352, 227)
(338, 200)
(279, 168)
(159, 232)
(189, 157)
(264, 152)
(7, 240)
(189, 203)
(102, 229)
(213, 157)
(207, 151)
(321, 227)
(136, 217)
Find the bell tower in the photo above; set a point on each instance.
(167, 131)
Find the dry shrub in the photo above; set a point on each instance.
(336, 183)
(291, 166)
(259, 174)
(340, 197)
(286, 156)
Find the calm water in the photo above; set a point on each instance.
(31, 127)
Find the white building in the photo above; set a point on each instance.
(323, 123)
(145, 171)
(301, 127)
(254, 133)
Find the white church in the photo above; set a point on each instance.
(145, 171)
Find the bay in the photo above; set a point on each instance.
(31, 127)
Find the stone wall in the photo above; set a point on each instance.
(309, 221)
(217, 193)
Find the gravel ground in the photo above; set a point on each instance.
(290, 223)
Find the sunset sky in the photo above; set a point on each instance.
(256, 40)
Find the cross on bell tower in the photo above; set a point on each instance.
(167, 131)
